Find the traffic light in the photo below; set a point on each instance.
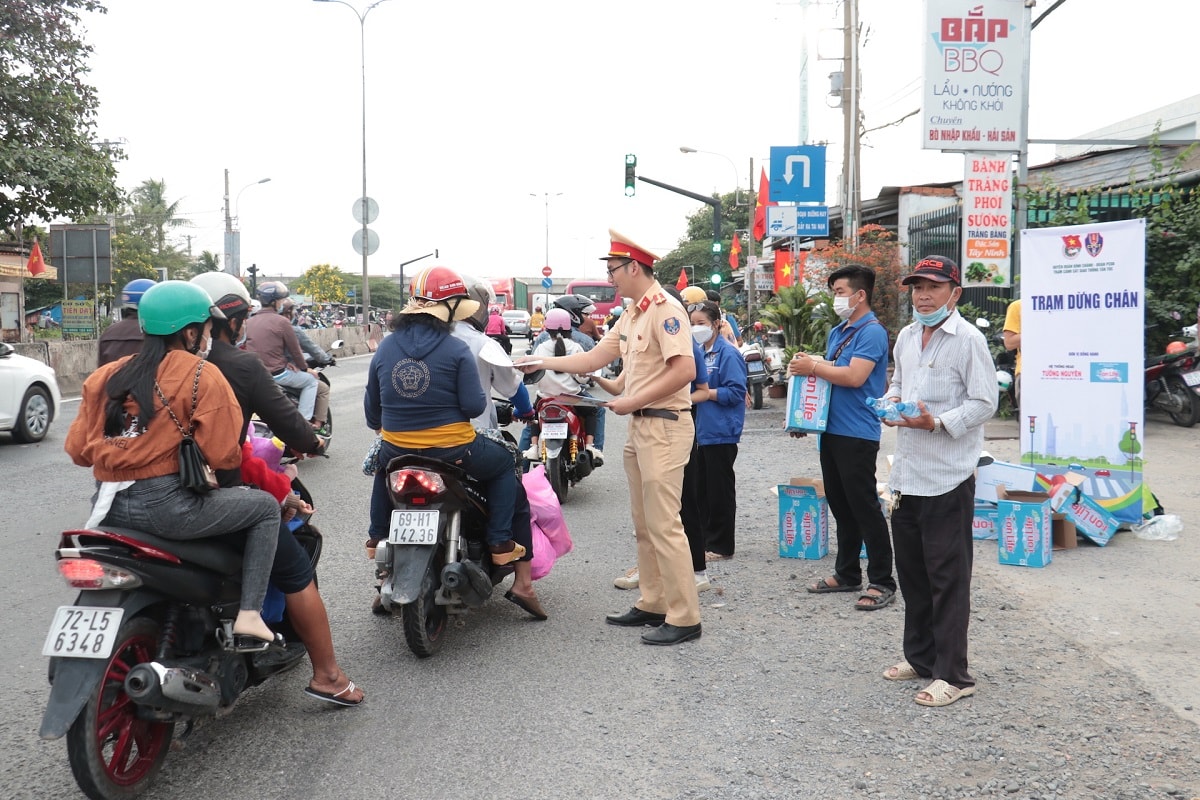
(715, 278)
(253, 278)
(630, 174)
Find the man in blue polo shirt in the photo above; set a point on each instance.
(856, 366)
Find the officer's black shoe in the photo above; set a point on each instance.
(672, 634)
(635, 617)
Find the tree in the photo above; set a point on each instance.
(325, 284)
(877, 249)
(207, 262)
(804, 319)
(49, 164)
(1172, 269)
(695, 249)
(151, 214)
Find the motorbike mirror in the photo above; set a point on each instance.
(982, 324)
(337, 344)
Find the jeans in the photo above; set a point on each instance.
(488, 462)
(307, 384)
(160, 507)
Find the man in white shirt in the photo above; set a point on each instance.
(943, 364)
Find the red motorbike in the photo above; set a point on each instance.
(562, 445)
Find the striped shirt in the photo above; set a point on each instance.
(955, 378)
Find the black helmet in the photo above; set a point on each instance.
(578, 306)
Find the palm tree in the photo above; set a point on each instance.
(152, 215)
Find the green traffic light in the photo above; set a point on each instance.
(716, 279)
(630, 174)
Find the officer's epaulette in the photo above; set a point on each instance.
(660, 298)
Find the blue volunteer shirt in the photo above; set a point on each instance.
(848, 412)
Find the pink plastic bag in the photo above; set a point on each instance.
(551, 539)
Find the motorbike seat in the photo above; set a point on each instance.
(213, 553)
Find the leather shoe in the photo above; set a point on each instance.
(672, 634)
(635, 617)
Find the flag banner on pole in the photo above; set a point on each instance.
(682, 282)
(760, 206)
(783, 269)
(37, 264)
(735, 251)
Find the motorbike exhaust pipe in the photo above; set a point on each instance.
(178, 689)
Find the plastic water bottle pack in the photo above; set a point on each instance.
(886, 409)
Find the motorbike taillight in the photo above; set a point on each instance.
(554, 414)
(87, 573)
(416, 486)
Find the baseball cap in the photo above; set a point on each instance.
(935, 268)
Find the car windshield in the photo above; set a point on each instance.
(597, 294)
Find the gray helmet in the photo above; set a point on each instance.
(481, 291)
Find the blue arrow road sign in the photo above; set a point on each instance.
(547, 283)
(798, 174)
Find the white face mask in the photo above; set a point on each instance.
(842, 307)
(702, 333)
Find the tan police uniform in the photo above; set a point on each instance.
(648, 334)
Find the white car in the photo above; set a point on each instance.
(29, 396)
(517, 321)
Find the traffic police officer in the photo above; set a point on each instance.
(653, 337)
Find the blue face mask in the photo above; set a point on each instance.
(933, 318)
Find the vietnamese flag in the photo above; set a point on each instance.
(783, 269)
(37, 264)
(735, 251)
(682, 282)
(760, 206)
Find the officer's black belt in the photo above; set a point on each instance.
(279, 374)
(661, 413)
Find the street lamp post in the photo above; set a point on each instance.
(232, 236)
(547, 196)
(749, 275)
(362, 26)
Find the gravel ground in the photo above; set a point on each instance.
(1067, 706)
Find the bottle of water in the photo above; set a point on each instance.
(879, 405)
(908, 408)
(887, 410)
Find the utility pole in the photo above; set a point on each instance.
(851, 182)
(751, 279)
(227, 264)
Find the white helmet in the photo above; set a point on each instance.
(219, 284)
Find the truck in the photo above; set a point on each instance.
(511, 293)
(602, 294)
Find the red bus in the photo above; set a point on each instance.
(602, 293)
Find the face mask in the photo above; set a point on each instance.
(933, 318)
(204, 351)
(701, 333)
(842, 307)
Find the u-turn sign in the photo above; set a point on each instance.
(798, 174)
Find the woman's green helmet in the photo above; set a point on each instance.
(171, 306)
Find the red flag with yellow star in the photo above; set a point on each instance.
(37, 264)
(735, 251)
(760, 206)
(682, 282)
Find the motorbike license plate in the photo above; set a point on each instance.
(554, 430)
(755, 367)
(414, 527)
(1192, 378)
(83, 632)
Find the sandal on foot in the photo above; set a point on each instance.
(884, 598)
(942, 694)
(336, 697)
(823, 587)
(709, 555)
(530, 604)
(900, 672)
(506, 556)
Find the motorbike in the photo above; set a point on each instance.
(435, 561)
(327, 427)
(1172, 384)
(146, 648)
(562, 445)
(758, 374)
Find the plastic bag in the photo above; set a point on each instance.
(1163, 528)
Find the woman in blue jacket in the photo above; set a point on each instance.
(709, 485)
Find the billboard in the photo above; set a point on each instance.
(82, 253)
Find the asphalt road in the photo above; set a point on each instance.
(780, 698)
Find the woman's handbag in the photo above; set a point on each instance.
(194, 472)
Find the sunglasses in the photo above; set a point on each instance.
(694, 307)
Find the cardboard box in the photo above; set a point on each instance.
(803, 519)
(1024, 528)
(1063, 534)
(807, 404)
(985, 520)
(1014, 476)
(1091, 519)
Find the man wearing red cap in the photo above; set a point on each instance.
(653, 337)
(943, 364)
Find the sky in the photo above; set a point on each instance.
(497, 132)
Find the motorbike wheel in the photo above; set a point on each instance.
(1189, 405)
(112, 752)
(556, 471)
(756, 394)
(424, 620)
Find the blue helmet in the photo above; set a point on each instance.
(131, 295)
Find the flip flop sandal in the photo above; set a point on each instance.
(942, 694)
(336, 697)
(824, 588)
(530, 605)
(884, 598)
(903, 672)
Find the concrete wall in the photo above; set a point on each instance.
(74, 361)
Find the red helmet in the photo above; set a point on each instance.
(438, 283)
(1176, 347)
